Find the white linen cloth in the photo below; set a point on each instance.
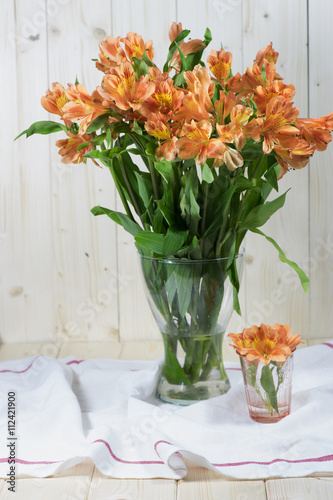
(67, 410)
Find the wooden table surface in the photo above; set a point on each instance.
(85, 482)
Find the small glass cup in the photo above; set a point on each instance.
(268, 389)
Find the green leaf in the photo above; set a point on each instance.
(136, 128)
(146, 59)
(186, 251)
(251, 375)
(144, 193)
(173, 241)
(244, 184)
(267, 383)
(183, 66)
(81, 146)
(260, 214)
(207, 174)
(151, 241)
(168, 214)
(221, 211)
(164, 167)
(140, 67)
(172, 369)
(122, 219)
(184, 280)
(302, 276)
(108, 136)
(44, 128)
(207, 37)
(272, 175)
(252, 151)
(172, 48)
(151, 147)
(98, 140)
(98, 123)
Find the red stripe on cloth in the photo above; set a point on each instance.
(139, 462)
(325, 458)
(27, 462)
(21, 371)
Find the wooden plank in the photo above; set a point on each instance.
(89, 350)
(73, 484)
(11, 296)
(305, 488)
(86, 276)
(35, 177)
(136, 319)
(24, 225)
(23, 350)
(113, 350)
(203, 483)
(138, 489)
(3, 486)
(321, 178)
(273, 290)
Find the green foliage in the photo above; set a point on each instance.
(44, 128)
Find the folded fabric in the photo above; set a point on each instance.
(67, 410)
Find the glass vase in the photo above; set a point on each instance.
(268, 389)
(192, 302)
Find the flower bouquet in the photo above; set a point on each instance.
(194, 151)
(266, 359)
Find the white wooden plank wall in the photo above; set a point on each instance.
(65, 275)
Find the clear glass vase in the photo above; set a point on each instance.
(192, 302)
(268, 389)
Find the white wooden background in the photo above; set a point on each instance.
(65, 275)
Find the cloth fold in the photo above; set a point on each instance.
(67, 410)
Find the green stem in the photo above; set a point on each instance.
(153, 178)
(130, 190)
(244, 199)
(204, 211)
(121, 193)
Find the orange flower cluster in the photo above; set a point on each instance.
(210, 114)
(265, 343)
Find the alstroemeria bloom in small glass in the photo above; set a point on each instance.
(266, 359)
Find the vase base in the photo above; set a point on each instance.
(263, 416)
(185, 395)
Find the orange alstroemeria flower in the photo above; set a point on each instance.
(265, 343)
(82, 108)
(219, 64)
(136, 47)
(236, 131)
(111, 54)
(224, 105)
(295, 157)
(55, 99)
(197, 144)
(316, 131)
(235, 83)
(280, 115)
(157, 126)
(121, 87)
(175, 30)
(166, 99)
(262, 95)
(253, 78)
(186, 47)
(68, 148)
(267, 53)
(239, 116)
(197, 103)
